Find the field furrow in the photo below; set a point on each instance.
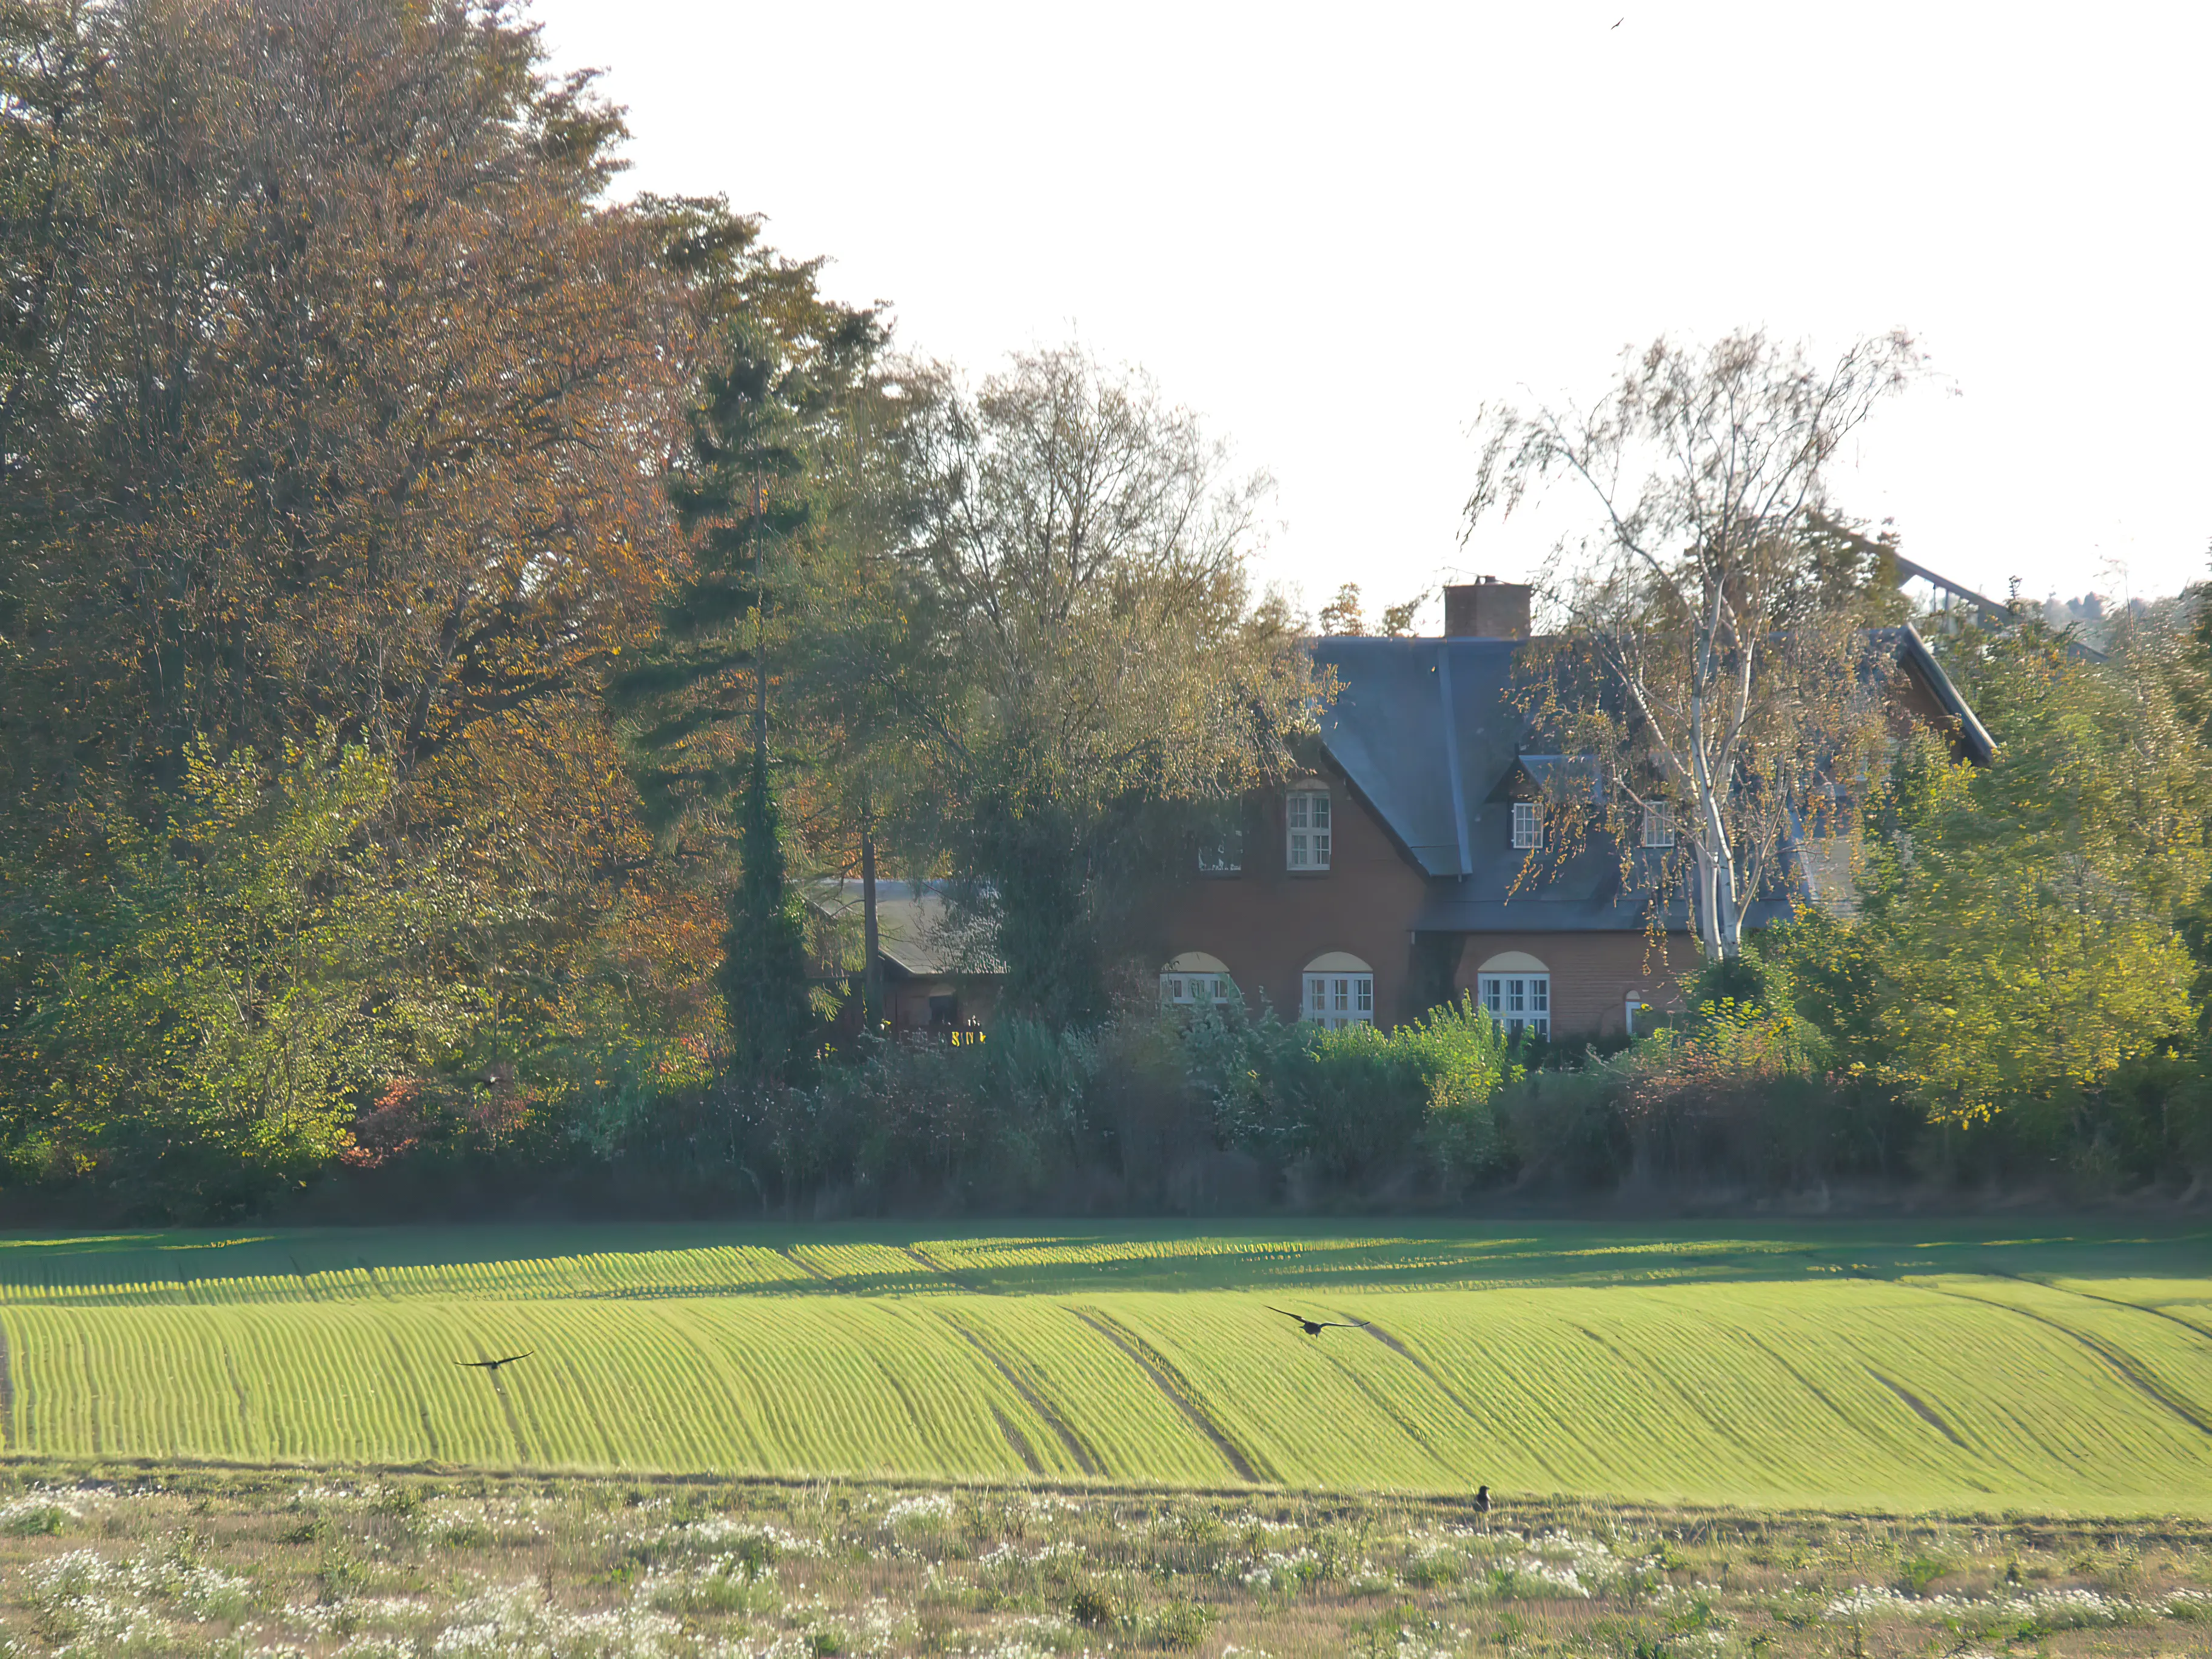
(1853, 1366)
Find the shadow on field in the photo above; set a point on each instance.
(617, 1262)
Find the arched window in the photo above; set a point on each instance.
(1195, 979)
(1517, 989)
(1340, 991)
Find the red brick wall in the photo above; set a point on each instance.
(1267, 923)
(1592, 974)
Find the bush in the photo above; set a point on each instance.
(1011, 1119)
(1564, 1129)
(1345, 1104)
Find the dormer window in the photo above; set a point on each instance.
(1527, 826)
(1658, 826)
(1307, 825)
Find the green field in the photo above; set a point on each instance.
(1978, 1367)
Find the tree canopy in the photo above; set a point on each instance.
(1711, 668)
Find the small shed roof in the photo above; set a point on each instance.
(915, 928)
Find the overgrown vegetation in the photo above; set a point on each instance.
(407, 1563)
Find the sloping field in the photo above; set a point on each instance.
(1819, 1366)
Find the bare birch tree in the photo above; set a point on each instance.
(1712, 670)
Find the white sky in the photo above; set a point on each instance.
(1336, 233)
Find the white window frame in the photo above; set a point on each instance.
(1337, 999)
(1517, 1000)
(1196, 990)
(1658, 825)
(1528, 827)
(1633, 1004)
(1308, 829)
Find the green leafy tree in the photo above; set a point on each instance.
(1090, 658)
(202, 1007)
(2023, 920)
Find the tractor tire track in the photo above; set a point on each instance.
(2123, 1367)
(1696, 1405)
(1448, 1392)
(10, 1440)
(2189, 1325)
(1175, 1389)
(806, 1269)
(954, 1276)
(306, 1286)
(513, 1423)
(1405, 1425)
(1084, 1459)
(1018, 1442)
(1919, 1408)
(91, 1390)
(422, 1400)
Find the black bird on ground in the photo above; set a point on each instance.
(1316, 1326)
(1482, 1500)
(493, 1365)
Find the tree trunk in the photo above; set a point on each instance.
(871, 981)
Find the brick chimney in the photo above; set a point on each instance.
(1486, 609)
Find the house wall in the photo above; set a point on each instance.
(1267, 922)
(1592, 974)
(976, 997)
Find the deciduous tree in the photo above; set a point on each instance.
(1712, 670)
(1095, 652)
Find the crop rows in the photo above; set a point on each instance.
(1975, 1392)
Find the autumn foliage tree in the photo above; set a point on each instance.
(1095, 655)
(330, 382)
(334, 394)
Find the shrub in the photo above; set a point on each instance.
(1564, 1129)
(1347, 1103)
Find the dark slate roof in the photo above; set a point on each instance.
(1425, 731)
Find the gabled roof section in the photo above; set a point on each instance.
(1904, 647)
(1428, 732)
(1424, 728)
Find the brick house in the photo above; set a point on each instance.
(1382, 884)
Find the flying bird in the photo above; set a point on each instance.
(1619, 21)
(493, 1365)
(1316, 1326)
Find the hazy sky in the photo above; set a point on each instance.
(1337, 232)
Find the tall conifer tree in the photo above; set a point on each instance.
(744, 492)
